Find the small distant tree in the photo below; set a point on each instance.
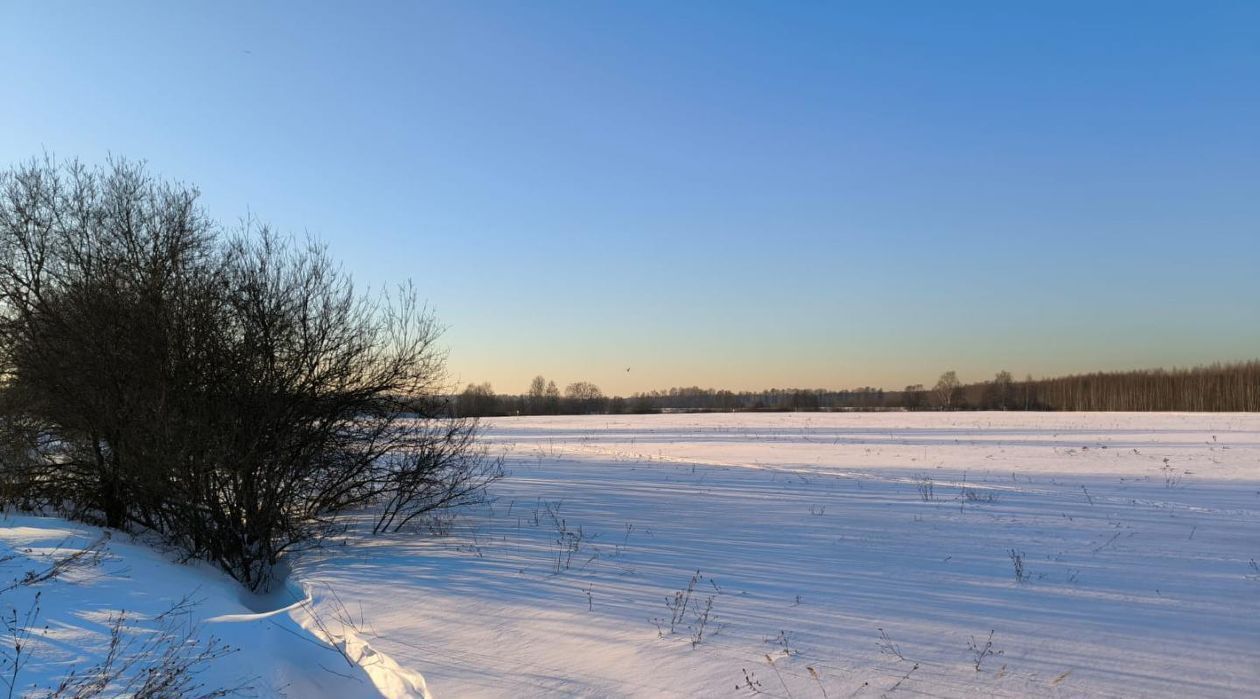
(536, 397)
(999, 394)
(642, 404)
(802, 400)
(869, 397)
(912, 398)
(948, 390)
(584, 397)
(551, 399)
(477, 400)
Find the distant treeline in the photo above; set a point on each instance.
(1232, 387)
(1215, 388)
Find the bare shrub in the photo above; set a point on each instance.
(783, 641)
(971, 495)
(161, 662)
(234, 394)
(1172, 477)
(1017, 564)
(568, 542)
(902, 680)
(678, 603)
(86, 557)
(887, 646)
(925, 487)
(702, 622)
(982, 650)
(702, 616)
(14, 648)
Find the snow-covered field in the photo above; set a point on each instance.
(835, 555)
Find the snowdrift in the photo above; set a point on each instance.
(71, 582)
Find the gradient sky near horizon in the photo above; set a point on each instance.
(730, 194)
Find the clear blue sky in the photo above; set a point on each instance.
(731, 194)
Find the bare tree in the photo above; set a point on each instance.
(536, 398)
(551, 399)
(477, 400)
(999, 394)
(584, 397)
(947, 389)
(583, 390)
(912, 397)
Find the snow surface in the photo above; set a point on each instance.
(831, 569)
(814, 532)
(278, 649)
